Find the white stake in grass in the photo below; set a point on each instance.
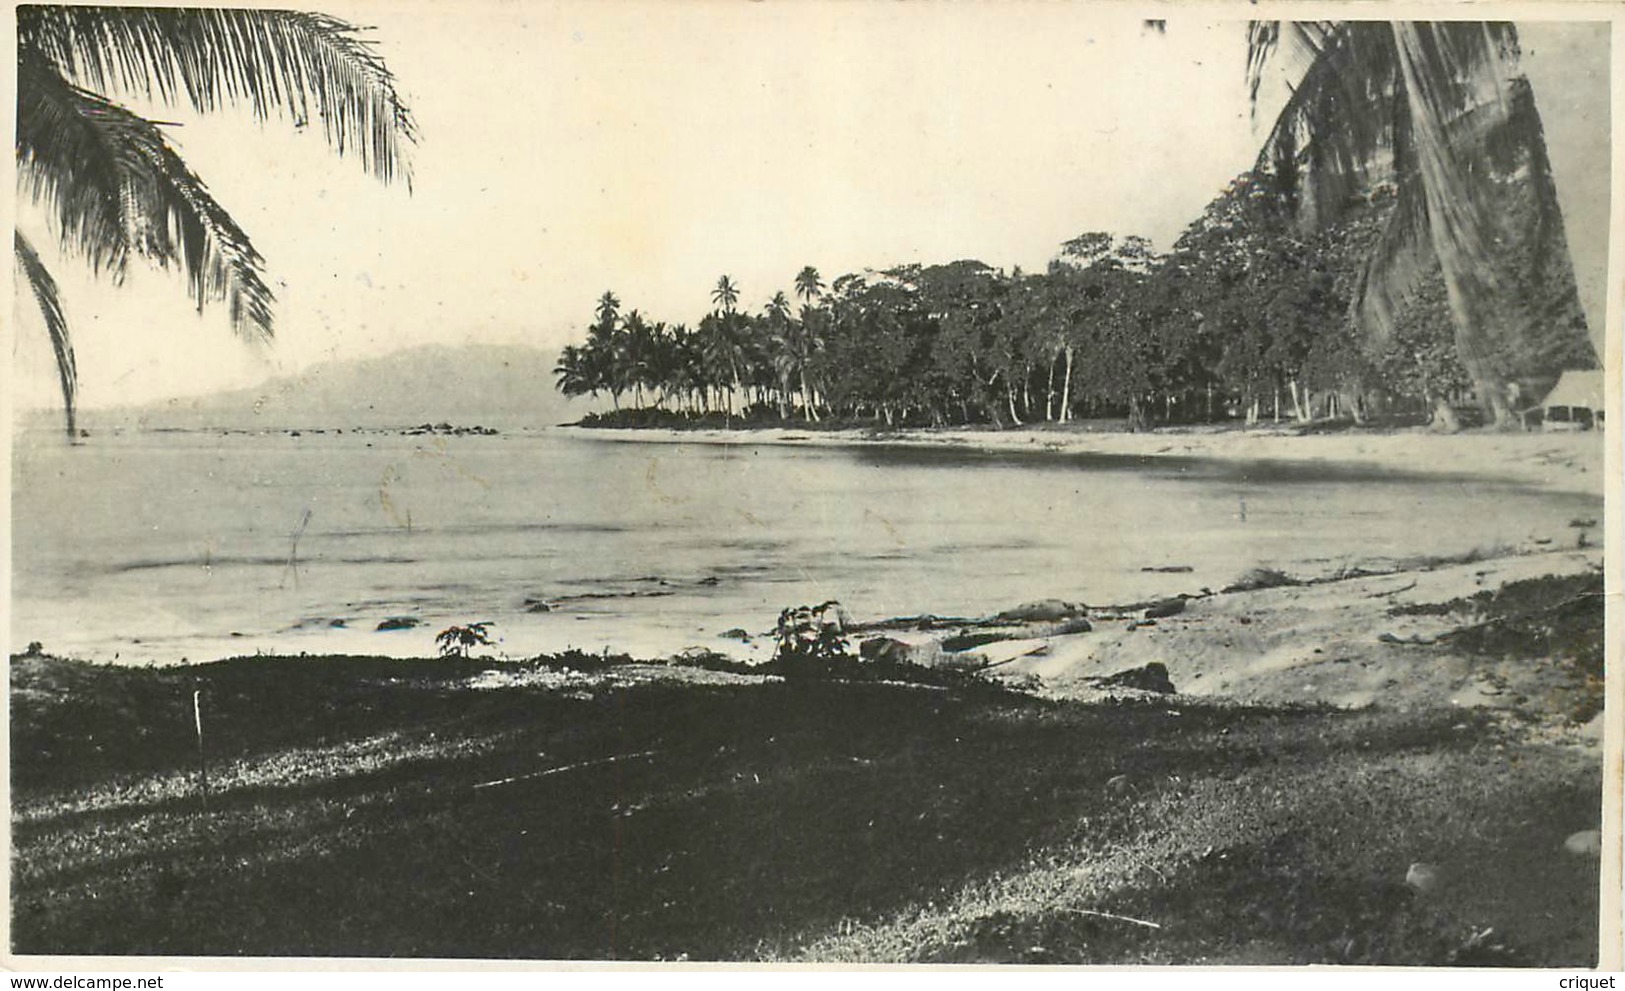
(202, 763)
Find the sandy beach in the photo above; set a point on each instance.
(1558, 462)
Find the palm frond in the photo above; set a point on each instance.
(1518, 138)
(1399, 260)
(115, 187)
(1430, 59)
(1297, 43)
(302, 65)
(64, 162)
(1473, 181)
(45, 292)
(1336, 123)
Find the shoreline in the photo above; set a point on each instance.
(931, 819)
(1346, 641)
(1570, 463)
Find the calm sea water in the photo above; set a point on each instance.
(161, 546)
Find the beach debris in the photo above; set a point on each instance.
(1424, 878)
(1165, 608)
(1066, 627)
(1152, 677)
(1480, 950)
(926, 621)
(966, 640)
(1414, 640)
(1043, 611)
(1005, 651)
(1170, 569)
(537, 605)
(1262, 578)
(737, 633)
(1585, 843)
(1117, 784)
(890, 650)
(398, 623)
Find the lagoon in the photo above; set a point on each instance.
(156, 546)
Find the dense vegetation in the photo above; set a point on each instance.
(1251, 315)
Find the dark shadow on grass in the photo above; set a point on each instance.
(761, 814)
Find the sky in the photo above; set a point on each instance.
(648, 147)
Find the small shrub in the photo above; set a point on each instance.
(457, 641)
(811, 634)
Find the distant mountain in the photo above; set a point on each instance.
(487, 385)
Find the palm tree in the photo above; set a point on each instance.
(1444, 107)
(574, 373)
(113, 185)
(724, 339)
(723, 353)
(809, 287)
(609, 308)
(780, 346)
(726, 294)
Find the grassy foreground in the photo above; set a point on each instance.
(369, 807)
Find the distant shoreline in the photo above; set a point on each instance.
(1555, 462)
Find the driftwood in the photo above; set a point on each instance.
(1392, 591)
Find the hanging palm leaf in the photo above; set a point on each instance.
(118, 188)
(305, 66)
(112, 184)
(1440, 110)
(56, 323)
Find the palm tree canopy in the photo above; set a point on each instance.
(113, 186)
(1442, 111)
(609, 307)
(726, 294)
(1375, 95)
(809, 286)
(302, 65)
(118, 188)
(778, 308)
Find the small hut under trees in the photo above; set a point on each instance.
(1576, 402)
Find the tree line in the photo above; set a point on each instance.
(1251, 315)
